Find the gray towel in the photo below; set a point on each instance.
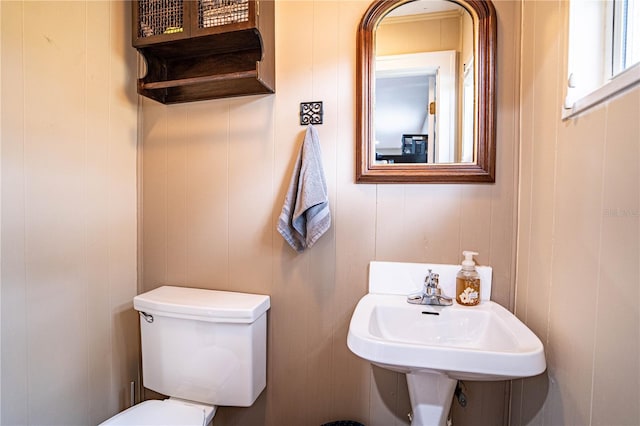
(305, 214)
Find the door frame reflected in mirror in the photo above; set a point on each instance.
(394, 119)
(483, 168)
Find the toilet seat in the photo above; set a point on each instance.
(168, 412)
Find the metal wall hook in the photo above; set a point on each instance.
(311, 113)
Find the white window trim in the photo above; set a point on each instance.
(594, 56)
(616, 85)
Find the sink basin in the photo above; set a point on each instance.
(437, 346)
(484, 342)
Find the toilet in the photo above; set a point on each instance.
(203, 349)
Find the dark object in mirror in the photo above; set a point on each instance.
(401, 167)
(413, 150)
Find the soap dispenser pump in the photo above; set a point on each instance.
(468, 281)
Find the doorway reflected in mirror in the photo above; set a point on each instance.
(419, 83)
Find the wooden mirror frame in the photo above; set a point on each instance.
(483, 169)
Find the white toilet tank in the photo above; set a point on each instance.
(206, 346)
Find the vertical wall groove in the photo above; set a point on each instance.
(582, 176)
(58, 313)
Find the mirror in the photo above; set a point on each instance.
(426, 92)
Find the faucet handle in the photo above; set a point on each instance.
(432, 285)
(427, 279)
(431, 280)
(431, 294)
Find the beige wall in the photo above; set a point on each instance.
(214, 179)
(400, 36)
(69, 334)
(1, 216)
(436, 32)
(215, 174)
(578, 248)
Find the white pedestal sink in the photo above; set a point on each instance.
(437, 346)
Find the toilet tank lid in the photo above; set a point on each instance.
(201, 304)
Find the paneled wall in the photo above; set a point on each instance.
(214, 179)
(399, 36)
(69, 333)
(578, 283)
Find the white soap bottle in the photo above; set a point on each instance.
(468, 281)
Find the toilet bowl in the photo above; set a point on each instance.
(203, 349)
(168, 412)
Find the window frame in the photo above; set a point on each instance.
(610, 81)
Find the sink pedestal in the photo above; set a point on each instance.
(431, 395)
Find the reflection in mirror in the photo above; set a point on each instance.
(419, 100)
(426, 70)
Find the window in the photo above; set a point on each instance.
(604, 51)
(626, 35)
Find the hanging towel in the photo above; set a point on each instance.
(305, 214)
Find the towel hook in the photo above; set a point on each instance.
(311, 113)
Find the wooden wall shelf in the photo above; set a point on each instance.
(189, 61)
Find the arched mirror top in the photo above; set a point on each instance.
(426, 114)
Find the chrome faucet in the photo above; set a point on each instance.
(431, 293)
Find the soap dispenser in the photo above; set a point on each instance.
(468, 281)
